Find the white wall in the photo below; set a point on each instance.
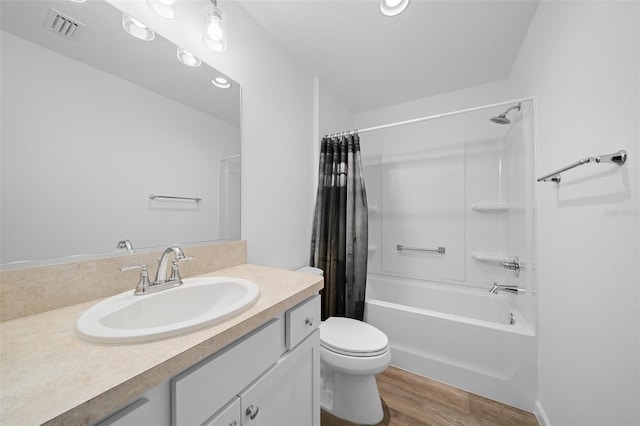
(447, 102)
(277, 127)
(472, 143)
(334, 117)
(580, 60)
(82, 150)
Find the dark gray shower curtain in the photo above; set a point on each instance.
(339, 242)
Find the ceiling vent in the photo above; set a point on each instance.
(62, 25)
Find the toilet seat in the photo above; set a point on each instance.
(350, 337)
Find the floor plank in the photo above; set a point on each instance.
(412, 400)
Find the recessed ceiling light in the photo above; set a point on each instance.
(137, 28)
(188, 58)
(393, 7)
(221, 82)
(163, 8)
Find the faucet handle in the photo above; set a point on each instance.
(143, 283)
(175, 272)
(142, 267)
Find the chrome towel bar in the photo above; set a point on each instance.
(154, 196)
(440, 250)
(617, 157)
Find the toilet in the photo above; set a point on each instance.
(352, 352)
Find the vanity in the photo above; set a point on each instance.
(259, 367)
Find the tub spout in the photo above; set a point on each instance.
(510, 288)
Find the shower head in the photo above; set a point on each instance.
(502, 118)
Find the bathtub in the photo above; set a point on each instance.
(465, 337)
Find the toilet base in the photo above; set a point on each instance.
(354, 398)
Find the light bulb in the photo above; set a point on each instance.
(188, 58)
(215, 34)
(137, 28)
(221, 82)
(214, 29)
(393, 7)
(163, 8)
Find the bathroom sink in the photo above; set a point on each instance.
(196, 304)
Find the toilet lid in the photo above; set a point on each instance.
(352, 337)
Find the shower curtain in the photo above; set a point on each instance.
(340, 227)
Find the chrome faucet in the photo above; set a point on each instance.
(161, 282)
(161, 275)
(510, 288)
(125, 244)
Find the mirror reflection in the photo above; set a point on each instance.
(95, 123)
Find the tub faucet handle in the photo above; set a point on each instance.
(514, 265)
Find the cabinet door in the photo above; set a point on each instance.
(202, 390)
(228, 416)
(288, 393)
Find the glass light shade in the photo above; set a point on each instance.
(137, 28)
(163, 8)
(393, 7)
(215, 34)
(221, 82)
(188, 58)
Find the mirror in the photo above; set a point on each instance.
(94, 125)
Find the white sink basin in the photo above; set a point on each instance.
(197, 303)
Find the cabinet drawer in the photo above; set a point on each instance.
(302, 320)
(206, 387)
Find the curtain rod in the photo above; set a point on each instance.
(432, 117)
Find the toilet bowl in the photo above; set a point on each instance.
(352, 352)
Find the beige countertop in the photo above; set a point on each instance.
(49, 375)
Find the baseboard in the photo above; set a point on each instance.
(540, 414)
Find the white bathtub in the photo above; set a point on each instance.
(459, 336)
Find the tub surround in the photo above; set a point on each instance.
(51, 376)
(30, 291)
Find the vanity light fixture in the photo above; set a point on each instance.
(163, 8)
(215, 33)
(221, 82)
(79, 1)
(137, 28)
(188, 58)
(393, 7)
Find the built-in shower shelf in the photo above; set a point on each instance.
(495, 207)
(490, 257)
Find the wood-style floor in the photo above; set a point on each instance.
(412, 400)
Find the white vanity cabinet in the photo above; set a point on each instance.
(287, 394)
(269, 377)
(151, 408)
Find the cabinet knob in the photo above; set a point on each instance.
(309, 321)
(252, 411)
(233, 423)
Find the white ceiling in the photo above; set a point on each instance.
(370, 61)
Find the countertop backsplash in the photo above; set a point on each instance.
(33, 290)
